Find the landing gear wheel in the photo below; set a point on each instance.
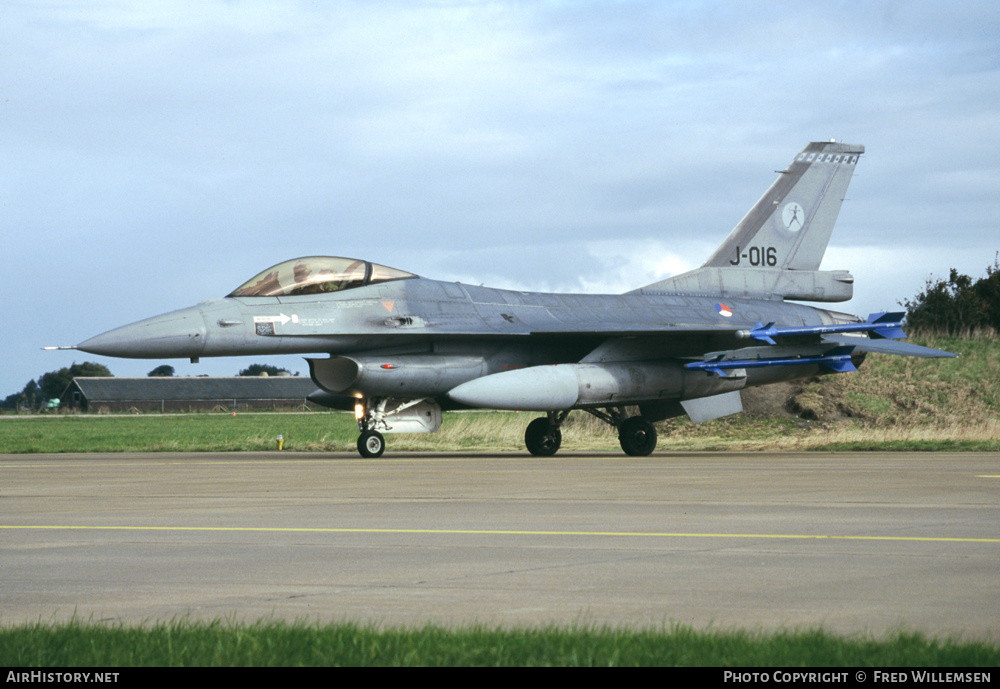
(637, 436)
(542, 438)
(371, 444)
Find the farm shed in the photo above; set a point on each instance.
(186, 393)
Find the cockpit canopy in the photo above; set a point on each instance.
(316, 275)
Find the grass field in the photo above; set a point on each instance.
(297, 645)
(488, 431)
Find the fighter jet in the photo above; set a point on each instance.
(400, 348)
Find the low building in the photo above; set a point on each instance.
(162, 394)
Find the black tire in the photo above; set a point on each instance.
(542, 438)
(371, 444)
(637, 437)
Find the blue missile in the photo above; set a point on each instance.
(879, 325)
(838, 359)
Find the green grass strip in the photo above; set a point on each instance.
(280, 644)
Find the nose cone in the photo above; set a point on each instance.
(175, 334)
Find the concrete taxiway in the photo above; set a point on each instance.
(856, 543)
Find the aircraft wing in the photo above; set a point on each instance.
(832, 346)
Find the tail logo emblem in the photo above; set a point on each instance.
(792, 216)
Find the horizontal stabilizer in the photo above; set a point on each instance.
(889, 347)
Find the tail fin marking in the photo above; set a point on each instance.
(776, 249)
(790, 226)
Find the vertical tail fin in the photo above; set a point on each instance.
(776, 250)
(790, 226)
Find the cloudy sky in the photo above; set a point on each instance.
(156, 154)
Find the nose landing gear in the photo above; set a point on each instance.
(378, 415)
(371, 444)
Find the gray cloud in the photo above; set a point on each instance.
(156, 154)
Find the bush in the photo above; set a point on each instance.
(958, 304)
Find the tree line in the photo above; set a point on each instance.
(957, 305)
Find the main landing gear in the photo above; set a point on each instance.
(636, 435)
(542, 437)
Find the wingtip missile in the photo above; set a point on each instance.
(879, 326)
